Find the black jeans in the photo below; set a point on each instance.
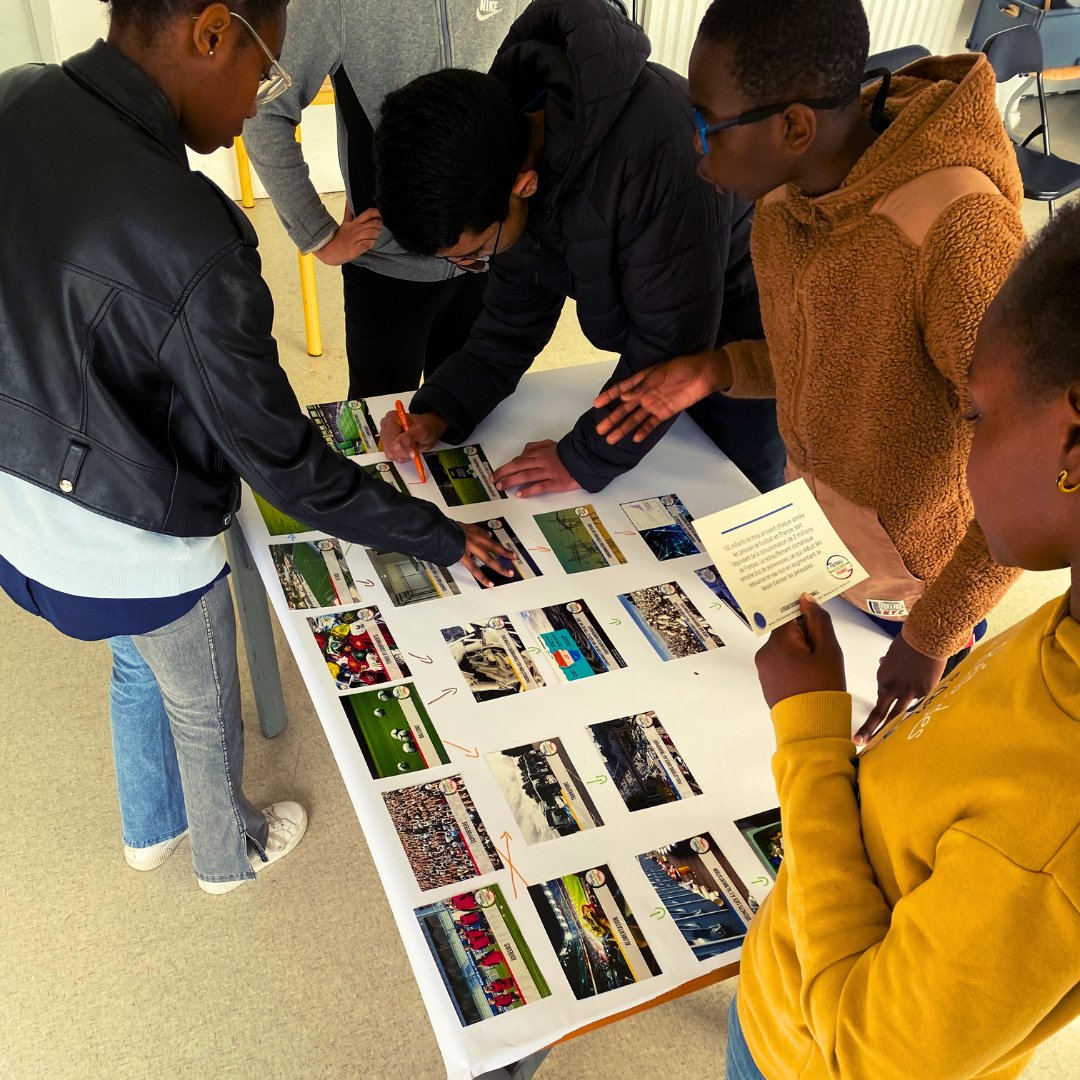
(745, 429)
(395, 330)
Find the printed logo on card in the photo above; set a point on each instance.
(896, 609)
(839, 566)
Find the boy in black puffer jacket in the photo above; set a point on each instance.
(569, 170)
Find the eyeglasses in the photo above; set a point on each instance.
(476, 264)
(278, 80)
(763, 112)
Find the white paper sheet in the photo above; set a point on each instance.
(708, 703)
(773, 548)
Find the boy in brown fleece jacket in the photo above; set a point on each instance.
(887, 220)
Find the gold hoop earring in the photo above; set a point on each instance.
(1065, 488)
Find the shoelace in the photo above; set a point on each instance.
(277, 824)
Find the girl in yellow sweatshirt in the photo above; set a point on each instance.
(925, 923)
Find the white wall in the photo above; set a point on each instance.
(25, 33)
(671, 25)
(940, 25)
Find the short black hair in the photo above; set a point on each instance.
(1040, 305)
(787, 49)
(448, 149)
(147, 17)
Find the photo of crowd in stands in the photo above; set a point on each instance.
(442, 834)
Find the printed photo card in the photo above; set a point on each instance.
(485, 963)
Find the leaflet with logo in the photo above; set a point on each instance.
(772, 549)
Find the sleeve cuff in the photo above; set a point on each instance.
(747, 380)
(322, 242)
(935, 642)
(823, 714)
(434, 399)
(313, 230)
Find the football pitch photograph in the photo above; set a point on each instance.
(277, 522)
(346, 425)
(314, 574)
(394, 731)
(456, 472)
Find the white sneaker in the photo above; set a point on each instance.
(287, 823)
(150, 858)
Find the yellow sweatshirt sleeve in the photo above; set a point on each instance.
(752, 369)
(912, 991)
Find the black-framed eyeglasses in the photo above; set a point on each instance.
(762, 112)
(277, 80)
(477, 264)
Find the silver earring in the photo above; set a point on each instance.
(211, 53)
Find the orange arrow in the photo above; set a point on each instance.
(514, 872)
(474, 752)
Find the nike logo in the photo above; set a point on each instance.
(482, 14)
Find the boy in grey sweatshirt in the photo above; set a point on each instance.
(404, 314)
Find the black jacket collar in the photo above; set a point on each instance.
(108, 74)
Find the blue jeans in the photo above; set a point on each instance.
(147, 776)
(740, 1065)
(178, 739)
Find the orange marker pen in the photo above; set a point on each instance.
(403, 419)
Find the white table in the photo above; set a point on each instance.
(710, 704)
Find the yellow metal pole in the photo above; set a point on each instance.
(309, 293)
(243, 170)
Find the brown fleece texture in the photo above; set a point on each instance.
(869, 334)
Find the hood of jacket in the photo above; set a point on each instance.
(580, 59)
(942, 112)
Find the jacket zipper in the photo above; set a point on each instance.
(444, 20)
(796, 402)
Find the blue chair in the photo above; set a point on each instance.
(1046, 177)
(895, 59)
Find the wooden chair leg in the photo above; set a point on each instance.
(310, 295)
(243, 170)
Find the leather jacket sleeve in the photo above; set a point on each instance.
(221, 358)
